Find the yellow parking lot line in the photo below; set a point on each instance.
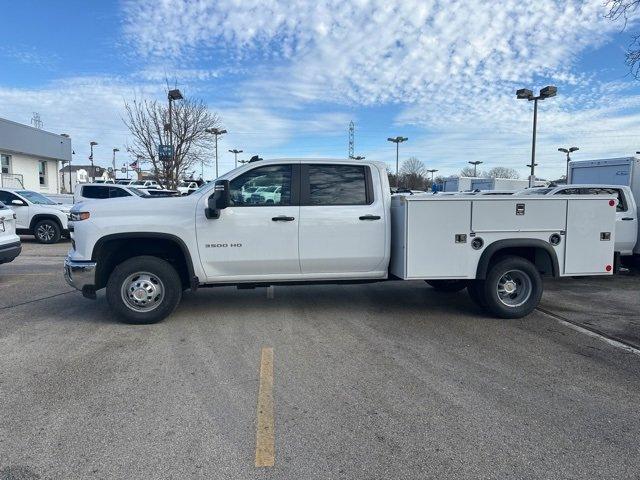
(265, 442)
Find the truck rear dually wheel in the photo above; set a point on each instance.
(512, 289)
(144, 290)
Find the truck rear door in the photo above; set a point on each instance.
(342, 220)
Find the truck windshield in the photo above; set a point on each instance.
(35, 197)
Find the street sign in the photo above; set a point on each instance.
(165, 152)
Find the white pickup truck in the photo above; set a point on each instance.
(333, 222)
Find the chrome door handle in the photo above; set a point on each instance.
(283, 218)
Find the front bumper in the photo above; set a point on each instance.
(81, 275)
(9, 252)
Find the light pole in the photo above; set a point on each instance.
(358, 157)
(432, 171)
(172, 95)
(568, 151)
(93, 170)
(235, 153)
(113, 161)
(475, 167)
(526, 94)
(397, 140)
(216, 132)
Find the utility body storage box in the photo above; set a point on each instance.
(435, 237)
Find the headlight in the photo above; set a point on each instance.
(79, 216)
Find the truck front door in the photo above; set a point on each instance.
(256, 237)
(342, 220)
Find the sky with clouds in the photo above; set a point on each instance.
(287, 77)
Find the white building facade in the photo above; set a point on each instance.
(29, 157)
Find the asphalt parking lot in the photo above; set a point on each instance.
(375, 381)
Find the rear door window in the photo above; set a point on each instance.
(95, 191)
(337, 185)
(115, 192)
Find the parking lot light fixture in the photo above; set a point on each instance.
(526, 94)
(432, 171)
(113, 161)
(93, 174)
(235, 152)
(397, 140)
(216, 132)
(475, 167)
(568, 152)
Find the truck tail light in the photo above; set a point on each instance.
(612, 203)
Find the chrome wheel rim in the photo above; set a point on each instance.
(45, 232)
(514, 288)
(142, 291)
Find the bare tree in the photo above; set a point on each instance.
(146, 120)
(623, 9)
(412, 173)
(469, 172)
(503, 172)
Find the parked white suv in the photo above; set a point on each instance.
(37, 215)
(9, 242)
(93, 191)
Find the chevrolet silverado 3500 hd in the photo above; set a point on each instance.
(334, 221)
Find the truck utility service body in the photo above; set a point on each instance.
(334, 221)
(623, 171)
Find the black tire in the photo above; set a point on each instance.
(448, 285)
(523, 276)
(159, 274)
(475, 289)
(47, 231)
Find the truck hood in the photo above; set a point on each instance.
(61, 208)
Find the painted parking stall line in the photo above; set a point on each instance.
(265, 431)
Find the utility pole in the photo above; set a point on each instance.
(475, 167)
(93, 170)
(352, 142)
(526, 94)
(235, 152)
(216, 132)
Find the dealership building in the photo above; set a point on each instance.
(30, 157)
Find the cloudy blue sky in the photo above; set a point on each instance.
(287, 77)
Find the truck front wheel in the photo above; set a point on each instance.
(512, 289)
(144, 290)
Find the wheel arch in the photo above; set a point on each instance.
(44, 216)
(537, 251)
(113, 249)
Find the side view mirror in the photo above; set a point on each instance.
(219, 200)
(18, 203)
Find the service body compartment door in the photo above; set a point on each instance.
(588, 221)
(431, 247)
(518, 215)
